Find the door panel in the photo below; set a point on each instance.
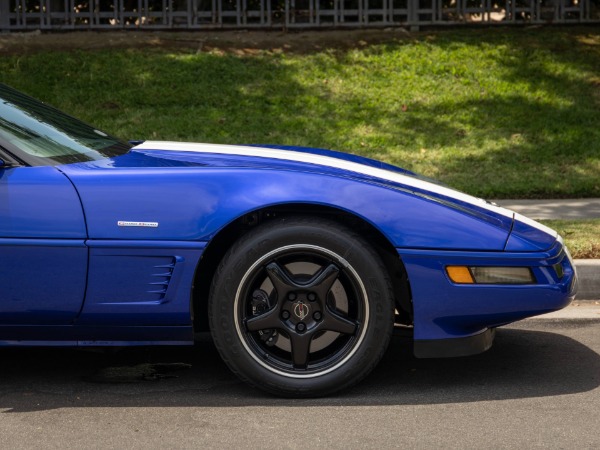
(43, 257)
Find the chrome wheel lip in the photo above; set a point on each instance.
(363, 330)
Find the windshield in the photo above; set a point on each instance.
(41, 135)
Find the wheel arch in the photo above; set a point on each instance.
(235, 229)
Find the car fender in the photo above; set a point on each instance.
(193, 204)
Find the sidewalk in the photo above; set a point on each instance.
(582, 208)
(578, 310)
(588, 270)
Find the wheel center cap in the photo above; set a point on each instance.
(301, 310)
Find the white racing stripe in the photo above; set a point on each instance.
(327, 161)
(534, 224)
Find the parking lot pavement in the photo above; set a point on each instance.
(538, 386)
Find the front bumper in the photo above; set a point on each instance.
(454, 319)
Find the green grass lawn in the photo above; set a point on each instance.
(581, 236)
(502, 113)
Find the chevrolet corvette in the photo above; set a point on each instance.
(300, 262)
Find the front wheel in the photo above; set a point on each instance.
(301, 307)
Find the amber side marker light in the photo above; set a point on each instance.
(490, 275)
(460, 274)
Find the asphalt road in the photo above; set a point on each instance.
(537, 387)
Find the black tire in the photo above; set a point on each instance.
(301, 307)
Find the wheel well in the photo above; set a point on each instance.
(219, 245)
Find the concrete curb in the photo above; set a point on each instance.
(588, 274)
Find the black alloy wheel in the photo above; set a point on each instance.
(301, 307)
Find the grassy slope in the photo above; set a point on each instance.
(497, 113)
(581, 236)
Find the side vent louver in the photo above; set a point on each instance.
(163, 278)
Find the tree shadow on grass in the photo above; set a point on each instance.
(551, 130)
(539, 139)
(515, 159)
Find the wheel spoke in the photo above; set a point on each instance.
(322, 282)
(269, 319)
(282, 282)
(300, 348)
(334, 322)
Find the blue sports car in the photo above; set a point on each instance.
(300, 261)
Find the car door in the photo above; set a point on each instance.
(43, 257)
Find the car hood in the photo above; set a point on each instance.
(525, 234)
(327, 162)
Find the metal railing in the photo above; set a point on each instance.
(287, 14)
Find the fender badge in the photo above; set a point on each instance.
(125, 223)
